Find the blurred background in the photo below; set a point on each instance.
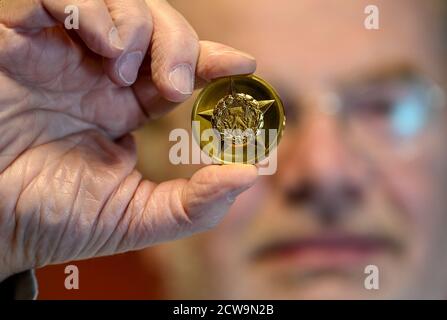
(362, 167)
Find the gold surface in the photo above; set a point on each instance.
(241, 110)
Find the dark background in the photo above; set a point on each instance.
(123, 276)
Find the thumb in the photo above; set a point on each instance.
(212, 190)
(179, 208)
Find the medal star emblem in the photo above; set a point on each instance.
(237, 116)
(246, 118)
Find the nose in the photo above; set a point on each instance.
(319, 170)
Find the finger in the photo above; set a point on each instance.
(135, 213)
(25, 15)
(218, 60)
(215, 60)
(96, 27)
(134, 23)
(174, 52)
(180, 208)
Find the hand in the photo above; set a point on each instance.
(68, 101)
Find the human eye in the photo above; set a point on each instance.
(410, 114)
(391, 110)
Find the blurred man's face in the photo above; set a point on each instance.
(362, 166)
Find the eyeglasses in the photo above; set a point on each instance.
(392, 117)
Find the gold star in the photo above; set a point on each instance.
(207, 114)
(263, 105)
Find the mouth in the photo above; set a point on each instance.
(326, 251)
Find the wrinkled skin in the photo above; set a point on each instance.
(68, 186)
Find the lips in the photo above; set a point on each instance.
(326, 251)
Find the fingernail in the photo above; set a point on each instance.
(246, 55)
(115, 39)
(234, 52)
(182, 78)
(128, 66)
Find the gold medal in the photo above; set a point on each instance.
(238, 119)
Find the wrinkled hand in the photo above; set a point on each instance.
(68, 100)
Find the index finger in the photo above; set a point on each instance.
(215, 60)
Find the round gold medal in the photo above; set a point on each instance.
(238, 119)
